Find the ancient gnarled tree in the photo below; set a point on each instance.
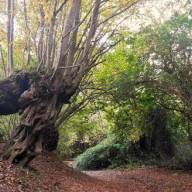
(67, 49)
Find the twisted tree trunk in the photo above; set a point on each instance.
(39, 103)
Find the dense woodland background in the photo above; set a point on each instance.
(132, 109)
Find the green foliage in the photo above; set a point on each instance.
(86, 128)
(113, 153)
(6, 124)
(103, 155)
(156, 53)
(143, 56)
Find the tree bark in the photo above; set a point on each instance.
(26, 139)
(39, 103)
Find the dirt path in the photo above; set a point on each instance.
(51, 175)
(148, 178)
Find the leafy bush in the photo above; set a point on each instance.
(102, 155)
(114, 154)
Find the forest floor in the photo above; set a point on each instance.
(49, 174)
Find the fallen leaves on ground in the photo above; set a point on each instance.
(49, 174)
